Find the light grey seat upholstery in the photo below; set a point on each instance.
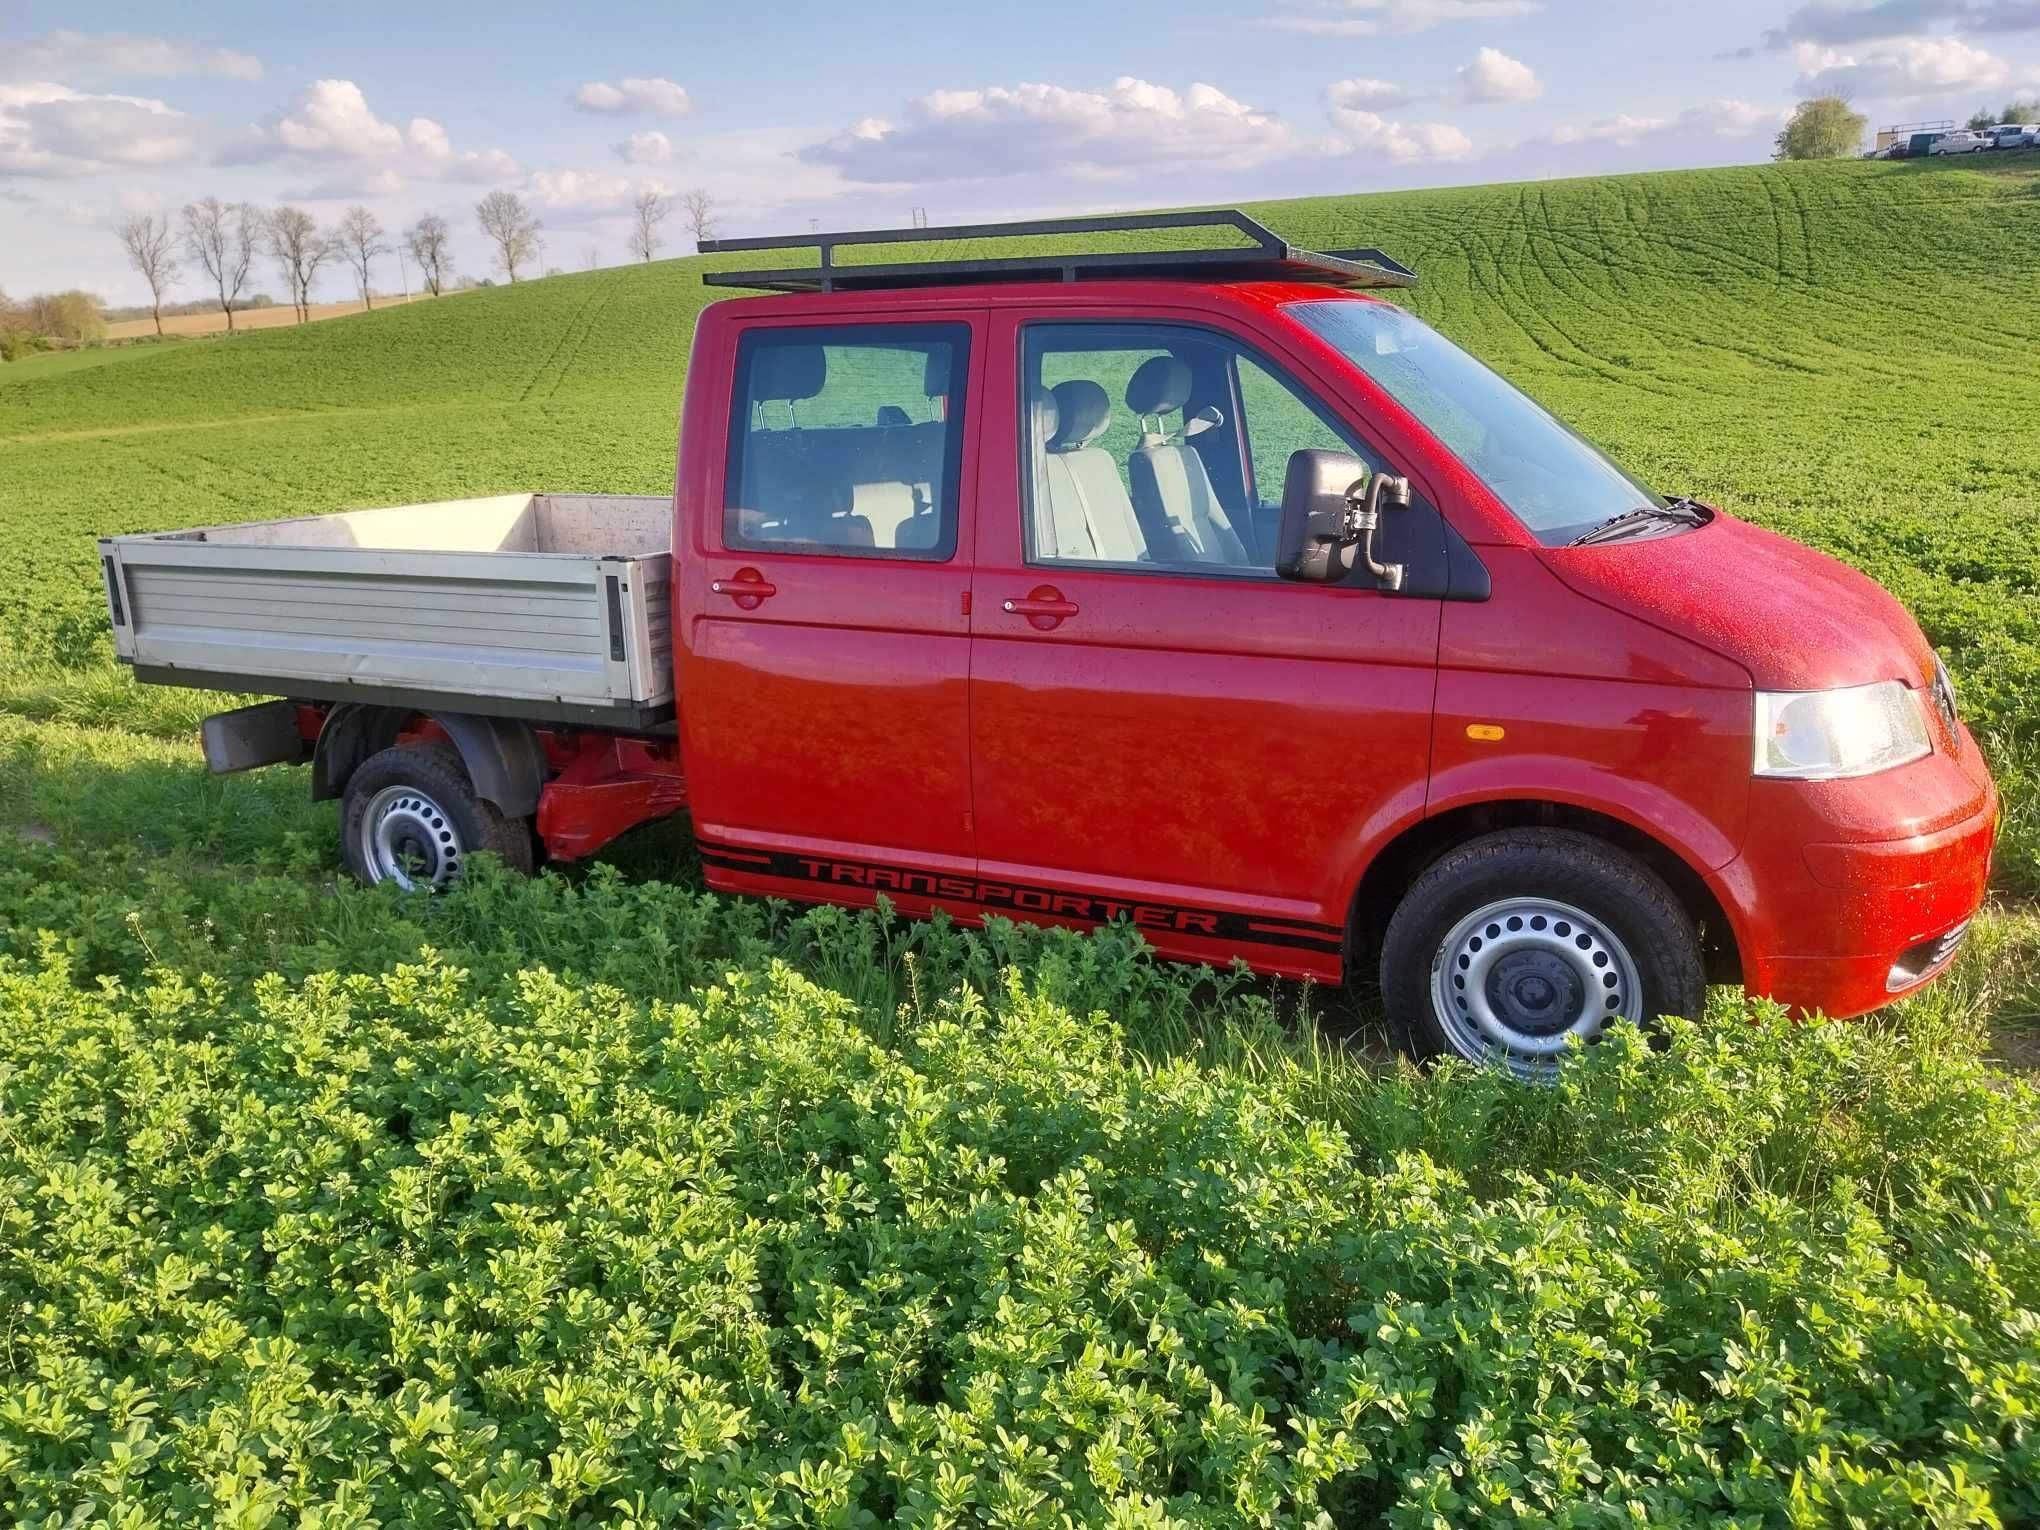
(1172, 494)
(1089, 515)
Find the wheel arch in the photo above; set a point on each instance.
(1404, 858)
(501, 754)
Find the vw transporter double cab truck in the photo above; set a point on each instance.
(1198, 588)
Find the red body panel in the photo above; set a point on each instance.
(1219, 760)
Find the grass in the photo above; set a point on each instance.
(598, 1197)
(39, 365)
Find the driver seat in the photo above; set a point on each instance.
(1172, 493)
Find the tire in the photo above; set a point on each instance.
(1575, 933)
(410, 816)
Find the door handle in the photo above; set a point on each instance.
(747, 587)
(1044, 607)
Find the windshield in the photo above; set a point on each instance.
(1554, 482)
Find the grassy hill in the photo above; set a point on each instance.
(603, 1197)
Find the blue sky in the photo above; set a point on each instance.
(856, 115)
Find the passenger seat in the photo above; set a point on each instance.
(1089, 514)
(1172, 493)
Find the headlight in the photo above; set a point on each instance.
(1820, 735)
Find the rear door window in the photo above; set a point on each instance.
(847, 440)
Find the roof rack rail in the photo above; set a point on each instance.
(1269, 257)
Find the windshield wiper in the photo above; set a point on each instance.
(1682, 512)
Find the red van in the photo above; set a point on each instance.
(1206, 590)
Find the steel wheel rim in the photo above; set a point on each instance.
(1514, 980)
(408, 839)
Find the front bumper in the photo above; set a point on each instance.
(1835, 914)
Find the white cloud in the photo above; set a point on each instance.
(1624, 129)
(1724, 117)
(428, 140)
(588, 191)
(999, 131)
(655, 98)
(1495, 77)
(350, 184)
(1366, 18)
(48, 129)
(1728, 117)
(1842, 24)
(648, 148)
(120, 56)
(1364, 94)
(1915, 66)
(1404, 143)
(332, 122)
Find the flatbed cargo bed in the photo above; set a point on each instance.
(553, 607)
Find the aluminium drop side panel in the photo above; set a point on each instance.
(508, 626)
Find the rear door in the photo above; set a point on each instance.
(1199, 746)
(824, 669)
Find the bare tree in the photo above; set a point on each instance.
(591, 255)
(507, 221)
(221, 237)
(427, 240)
(152, 251)
(701, 212)
(647, 213)
(294, 242)
(360, 237)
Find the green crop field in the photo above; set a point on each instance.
(599, 1199)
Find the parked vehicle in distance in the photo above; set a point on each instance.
(1962, 141)
(1920, 145)
(1201, 589)
(2014, 135)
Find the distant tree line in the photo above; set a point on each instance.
(219, 243)
(33, 323)
(2015, 111)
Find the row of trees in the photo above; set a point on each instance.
(223, 240)
(2015, 111)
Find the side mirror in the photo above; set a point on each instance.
(1331, 506)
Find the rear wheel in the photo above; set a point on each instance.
(1510, 945)
(411, 816)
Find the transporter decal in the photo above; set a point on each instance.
(1022, 898)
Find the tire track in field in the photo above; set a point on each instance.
(1566, 275)
(566, 332)
(594, 314)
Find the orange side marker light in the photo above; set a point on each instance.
(1486, 733)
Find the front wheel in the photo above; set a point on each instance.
(411, 816)
(1514, 943)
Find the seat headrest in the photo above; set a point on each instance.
(1041, 416)
(788, 372)
(935, 375)
(1083, 411)
(1159, 384)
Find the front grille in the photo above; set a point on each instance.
(1917, 961)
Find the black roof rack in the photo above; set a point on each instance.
(1270, 257)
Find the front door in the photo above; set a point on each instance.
(1162, 729)
(823, 680)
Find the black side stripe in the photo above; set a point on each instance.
(1024, 898)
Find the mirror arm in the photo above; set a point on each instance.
(1363, 517)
